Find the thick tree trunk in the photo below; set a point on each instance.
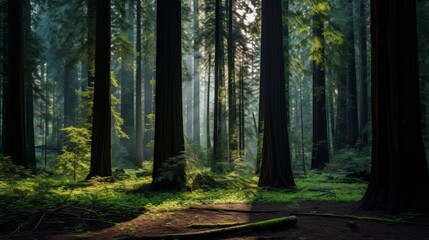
(399, 174)
(276, 170)
(320, 154)
(219, 125)
(14, 125)
(29, 82)
(139, 117)
(169, 139)
(101, 152)
(209, 144)
(197, 89)
(364, 128)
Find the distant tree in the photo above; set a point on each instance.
(399, 173)
(276, 170)
(363, 123)
(14, 143)
(127, 82)
(169, 139)
(320, 154)
(196, 113)
(139, 118)
(101, 153)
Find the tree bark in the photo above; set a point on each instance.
(319, 154)
(219, 124)
(169, 139)
(101, 152)
(14, 125)
(399, 173)
(276, 170)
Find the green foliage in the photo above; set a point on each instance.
(74, 161)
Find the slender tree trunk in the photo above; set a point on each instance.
(188, 97)
(90, 18)
(340, 122)
(232, 99)
(320, 154)
(399, 174)
(139, 118)
(209, 144)
(148, 62)
(169, 139)
(14, 125)
(363, 75)
(352, 132)
(276, 170)
(196, 113)
(101, 152)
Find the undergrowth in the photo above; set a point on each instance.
(24, 192)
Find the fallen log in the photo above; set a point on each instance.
(271, 224)
(363, 218)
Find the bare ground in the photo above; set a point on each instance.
(308, 227)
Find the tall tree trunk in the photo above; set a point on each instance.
(169, 139)
(196, 113)
(340, 118)
(127, 87)
(232, 99)
(188, 97)
(14, 125)
(399, 174)
(363, 75)
(276, 170)
(209, 144)
(139, 118)
(101, 152)
(90, 54)
(219, 125)
(29, 82)
(351, 111)
(148, 62)
(319, 155)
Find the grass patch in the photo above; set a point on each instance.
(23, 193)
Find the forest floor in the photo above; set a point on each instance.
(375, 226)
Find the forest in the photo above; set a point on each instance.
(214, 119)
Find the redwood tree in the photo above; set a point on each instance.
(169, 139)
(101, 153)
(276, 168)
(319, 155)
(14, 126)
(399, 173)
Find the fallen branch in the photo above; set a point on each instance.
(215, 225)
(235, 210)
(271, 224)
(363, 218)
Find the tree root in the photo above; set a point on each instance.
(363, 218)
(271, 224)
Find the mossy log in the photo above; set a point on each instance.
(271, 224)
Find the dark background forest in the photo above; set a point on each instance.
(139, 106)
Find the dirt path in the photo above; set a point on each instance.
(308, 227)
